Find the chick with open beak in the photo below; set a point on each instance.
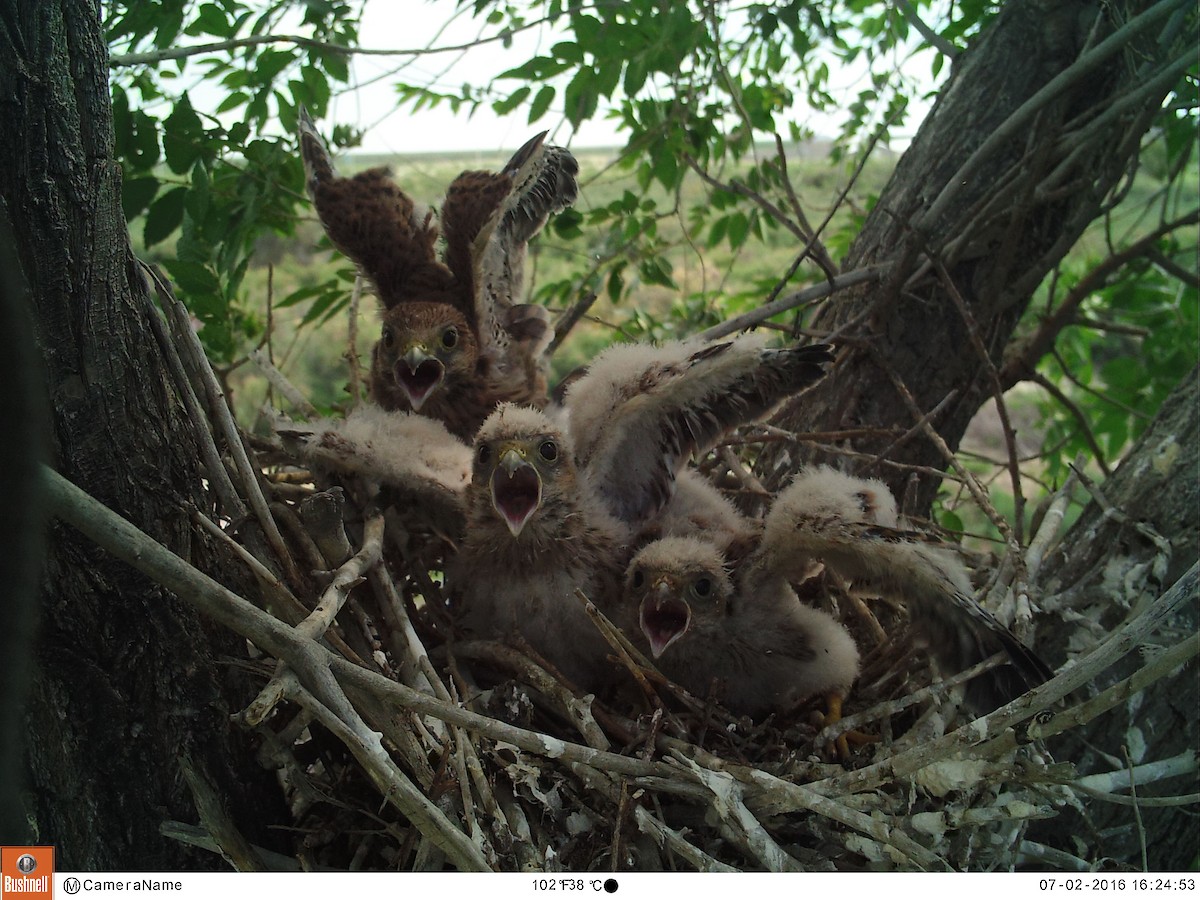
(534, 535)
(680, 588)
(424, 354)
(516, 484)
(664, 614)
(732, 629)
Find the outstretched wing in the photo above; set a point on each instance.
(422, 468)
(373, 222)
(488, 219)
(807, 522)
(640, 411)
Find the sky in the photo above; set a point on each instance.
(411, 24)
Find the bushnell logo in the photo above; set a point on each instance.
(26, 872)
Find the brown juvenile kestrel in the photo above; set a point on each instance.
(454, 342)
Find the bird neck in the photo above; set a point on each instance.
(555, 538)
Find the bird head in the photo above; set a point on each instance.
(421, 346)
(519, 455)
(678, 584)
(825, 493)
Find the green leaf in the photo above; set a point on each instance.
(169, 17)
(567, 224)
(299, 295)
(635, 75)
(165, 215)
(581, 98)
(567, 52)
(233, 101)
(738, 229)
(318, 89)
(541, 103)
(198, 280)
(337, 65)
(271, 62)
(535, 69)
(666, 168)
(588, 29)
(656, 270)
(951, 522)
(512, 101)
(615, 284)
(325, 305)
(136, 194)
(211, 19)
(197, 197)
(183, 136)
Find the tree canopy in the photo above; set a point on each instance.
(709, 210)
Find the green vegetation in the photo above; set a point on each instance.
(699, 217)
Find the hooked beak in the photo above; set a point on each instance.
(663, 616)
(418, 375)
(516, 490)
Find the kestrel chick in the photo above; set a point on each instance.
(533, 536)
(747, 634)
(822, 514)
(557, 504)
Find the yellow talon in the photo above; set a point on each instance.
(833, 715)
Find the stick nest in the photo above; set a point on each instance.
(399, 749)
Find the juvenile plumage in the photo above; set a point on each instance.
(534, 535)
(454, 342)
(641, 411)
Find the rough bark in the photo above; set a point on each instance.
(997, 226)
(1106, 568)
(22, 409)
(127, 678)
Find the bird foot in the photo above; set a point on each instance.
(841, 746)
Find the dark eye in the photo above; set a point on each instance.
(703, 587)
(638, 578)
(484, 454)
(450, 337)
(549, 451)
(389, 336)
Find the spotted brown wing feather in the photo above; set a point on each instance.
(374, 223)
(640, 412)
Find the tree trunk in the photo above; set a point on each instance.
(993, 229)
(127, 678)
(22, 407)
(1106, 568)
(995, 189)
